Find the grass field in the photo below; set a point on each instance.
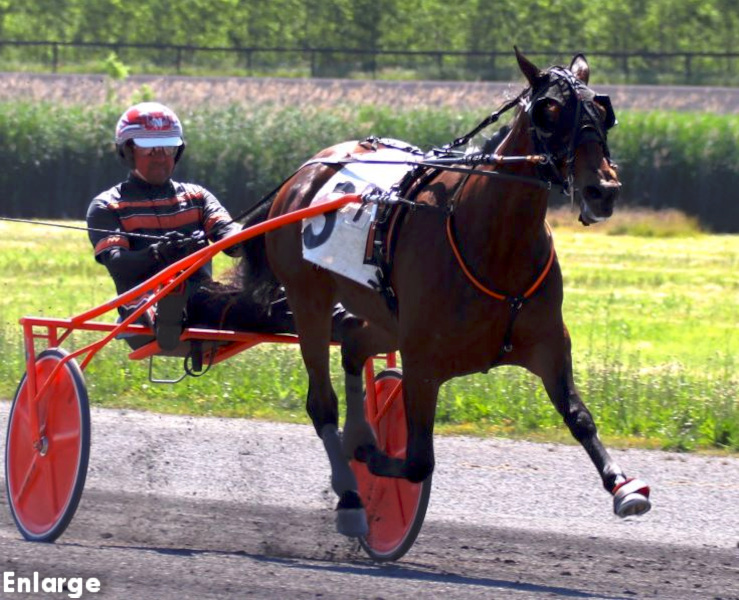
(651, 304)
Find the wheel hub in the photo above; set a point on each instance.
(42, 445)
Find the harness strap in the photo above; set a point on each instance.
(498, 295)
(461, 141)
(516, 303)
(462, 164)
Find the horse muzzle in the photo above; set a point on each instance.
(597, 201)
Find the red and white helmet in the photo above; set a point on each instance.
(148, 125)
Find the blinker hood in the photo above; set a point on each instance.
(561, 90)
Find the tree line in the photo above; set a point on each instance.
(629, 25)
(545, 26)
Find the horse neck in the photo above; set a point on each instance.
(500, 222)
(519, 200)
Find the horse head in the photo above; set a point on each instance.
(569, 123)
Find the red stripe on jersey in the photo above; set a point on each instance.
(215, 220)
(185, 217)
(159, 202)
(112, 241)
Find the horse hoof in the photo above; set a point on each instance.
(352, 522)
(631, 498)
(351, 518)
(362, 453)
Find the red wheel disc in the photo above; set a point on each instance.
(395, 507)
(45, 480)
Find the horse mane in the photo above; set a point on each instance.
(492, 143)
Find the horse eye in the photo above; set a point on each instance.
(545, 114)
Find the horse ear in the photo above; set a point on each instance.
(529, 69)
(580, 68)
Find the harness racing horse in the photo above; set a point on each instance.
(476, 282)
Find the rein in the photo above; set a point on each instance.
(124, 233)
(465, 163)
(462, 164)
(492, 118)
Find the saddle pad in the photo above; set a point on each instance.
(337, 241)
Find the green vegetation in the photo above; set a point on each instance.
(61, 156)
(548, 28)
(653, 321)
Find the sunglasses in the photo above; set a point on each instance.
(166, 150)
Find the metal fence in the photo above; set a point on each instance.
(692, 68)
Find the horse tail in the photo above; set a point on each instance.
(254, 270)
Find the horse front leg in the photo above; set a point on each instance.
(630, 496)
(420, 395)
(419, 399)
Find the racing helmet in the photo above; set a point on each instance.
(148, 125)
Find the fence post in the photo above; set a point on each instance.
(626, 66)
(688, 68)
(179, 60)
(54, 57)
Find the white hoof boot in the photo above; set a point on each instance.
(631, 498)
(352, 522)
(351, 518)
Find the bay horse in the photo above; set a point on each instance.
(476, 281)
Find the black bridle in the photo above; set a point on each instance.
(576, 98)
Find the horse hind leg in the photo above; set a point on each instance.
(630, 496)
(351, 517)
(360, 341)
(322, 406)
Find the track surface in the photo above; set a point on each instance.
(179, 507)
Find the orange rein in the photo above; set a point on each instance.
(485, 290)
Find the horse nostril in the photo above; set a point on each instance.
(592, 192)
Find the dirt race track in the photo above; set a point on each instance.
(187, 508)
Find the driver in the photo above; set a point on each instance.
(177, 218)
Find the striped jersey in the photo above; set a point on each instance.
(135, 206)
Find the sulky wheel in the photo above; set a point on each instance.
(395, 507)
(44, 480)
